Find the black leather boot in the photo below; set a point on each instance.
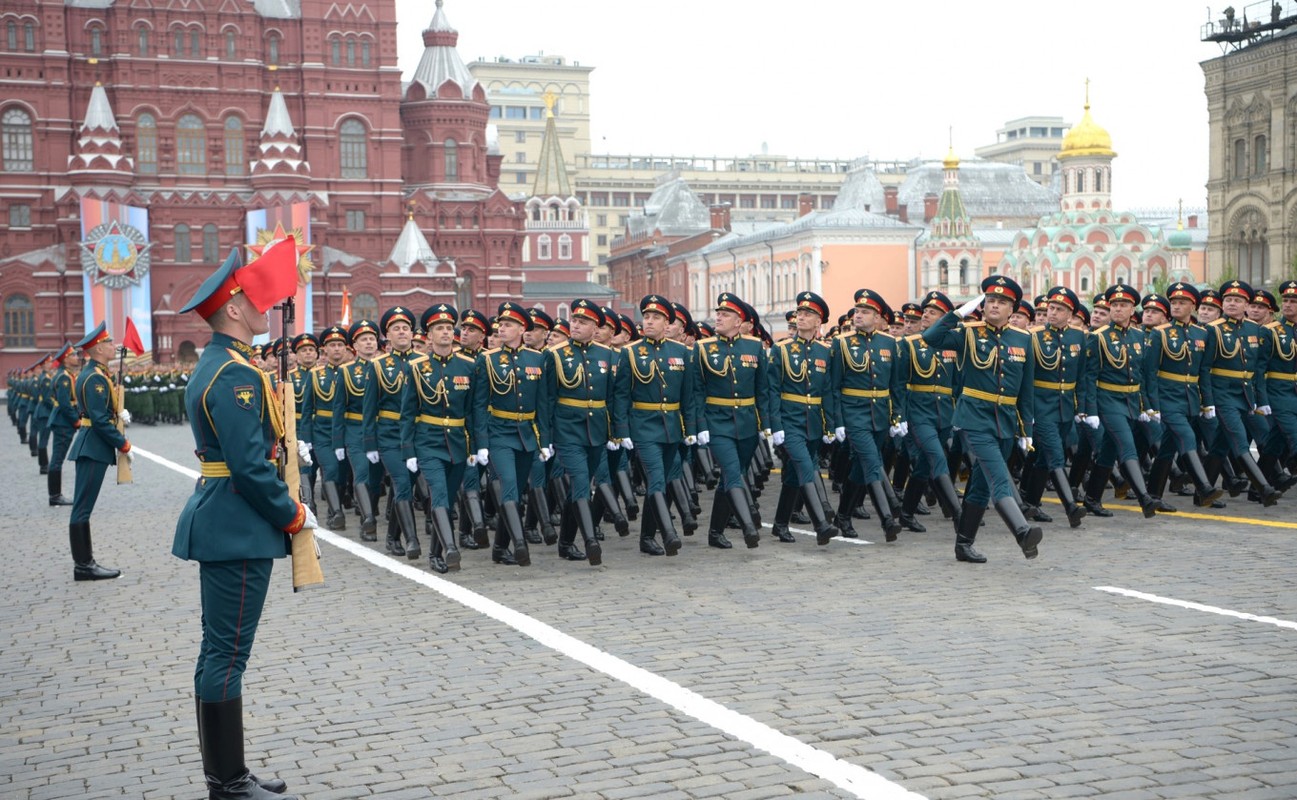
(627, 493)
(847, 501)
(393, 542)
(824, 532)
(754, 511)
(1033, 489)
(783, 513)
(1075, 511)
(83, 559)
(43, 459)
(1268, 494)
(540, 503)
(54, 481)
(739, 504)
(656, 503)
(585, 524)
(337, 518)
(1279, 478)
(970, 519)
(648, 528)
(221, 737)
(500, 552)
(1135, 479)
(680, 496)
(1204, 492)
(436, 558)
(269, 784)
(948, 498)
(914, 489)
(1028, 536)
(1158, 475)
(1235, 481)
(365, 505)
(716, 528)
(567, 549)
(446, 536)
(607, 504)
(513, 523)
(878, 496)
(1094, 488)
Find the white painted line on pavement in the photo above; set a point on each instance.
(849, 777)
(1225, 612)
(811, 534)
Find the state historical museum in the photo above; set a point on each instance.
(140, 140)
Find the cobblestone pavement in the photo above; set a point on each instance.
(1014, 679)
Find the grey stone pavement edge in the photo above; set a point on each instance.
(1015, 679)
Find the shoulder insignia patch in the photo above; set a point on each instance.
(243, 397)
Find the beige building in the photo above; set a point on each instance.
(1030, 142)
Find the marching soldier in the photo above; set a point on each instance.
(322, 385)
(239, 518)
(735, 392)
(96, 445)
(1279, 353)
(348, 439)
(473, 328)
(537, 514)
(439, 417)
(799, 378)
(385, 390)
(64, 420)
(305, 345)
(512, 393)
(995, 408)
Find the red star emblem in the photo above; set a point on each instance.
(278, 235)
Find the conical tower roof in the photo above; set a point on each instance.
(952, 221)
(99, 157)
(441, 61)
(411, 248)
(551, 172)
(279, 152)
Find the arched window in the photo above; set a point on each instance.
(1080, 180)
(565, 247)
(1240, 158)
(465, 297)
(195, 43)
(364, 53)
(966, 276)
(1098, 180)
(191, 146)
(96, 41)
(146, 145)
(544, 251)
(29, 37)
(335, 51)
(364, 306)
(943, 273)
(354, 149)
(178, 43)
(211, 244)
(451, 150)
(231, 44)
(20, 321)
(16, 131)
(181, 241)
(142, 41)
(11, 35)
(272, 49)
(1259, 155)
(351, 51)
(233, 146)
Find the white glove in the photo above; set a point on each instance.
(1025, 443)
(765, 434)
(1264, 411)
(412, 464)
(1144, 417)
(124, 416)
(899, 429)
(827, 438)
(1209, 412)
(627, 444)
(1092, 421)
(546, 454)
(969, 307)
(309, 446)
(612, 446)
(340, 454)
(691, 440)
(777, 438)
(304, 452)
(840, 433)
(372, 456)
(311, 521)
(1156, 416)
(703, 438)
(483, 457)
(130, 458)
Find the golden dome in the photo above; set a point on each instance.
(1087, 138)
(951, 161)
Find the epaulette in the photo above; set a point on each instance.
(708, 340)
(1016, 328)
(974, 324)
(1036, 328)
(237, 356)
(318, 368)
(1216, 323)
(346, 364)
(469, 359)
(488, 351)
(1100, 329)
(1163, 326)
(1273, 325)
(416, 359)
(914, 337)
(529, 349)
(885, 333)
(756, 339)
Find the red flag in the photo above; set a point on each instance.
(131, 341)
(346, 307)
(272, 276)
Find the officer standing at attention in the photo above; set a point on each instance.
(96, 445)
(349, 426)
(385, 391)
(64, 421)
(473, 328)
(300, 376)
(240, 516)
(317, 415)
(736, 395)
(995, 408)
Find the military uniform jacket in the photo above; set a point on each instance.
(44, 398)
(733, 391)
(440, 412)
(513, 393)
(800, 391)
(1062, 391)
(579, 381)
(66, 412)
(656, 392)
(349, 399)
(240, 507)
(867, 376)
(929, 376)
(1278, 352)
(317, 402)
(1230, 370)
(98, 438)
(300, 378)
(1172, 364)
(999, 373)
(384, 395)
(1115, 365)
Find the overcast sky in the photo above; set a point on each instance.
(832, 79)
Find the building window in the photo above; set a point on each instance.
(769, 201)
(943, 273)
(335, 51)
(602, 240)
(211, 244)
(29, 37)
(747, 201)
(146, 145)
(20, 321)
(520, 137)
(1240, 158)
(601, 220)
(520, 177)
(1098, 180)
(451, 154)
(231, 45)
(16, 130)
(1259, 154)
(520, 158)
(233, 146)
(1085, 284)
(565, 247)
(364, 53)
(142, 41)
(537, 112)
(355, 155)
(543, 250)
(351, 52)
(20, 216)
(96, 41)
(191, 146)
(183, 250)
(364, 306)
(598, 198)
(788, 202)
(355, 219)
(494, 113)
(195, 44)
(515, 112)
(11, 35)
(621, 199)
(272, 50)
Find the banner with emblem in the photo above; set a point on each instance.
(115, 264)
(267, 225)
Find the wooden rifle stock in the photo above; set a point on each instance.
(306, 564)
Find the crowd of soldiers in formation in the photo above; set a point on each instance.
(520, 431)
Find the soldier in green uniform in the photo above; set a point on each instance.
(300, 377)
(995, 409)
(735, 395)
(799, 383)
(385, 390)
(349, 428)
(1279, 352)
(473, 328)
(512, 393)
(439, 417)
(240, 516)
(322, 383)
(95, 447)
(44, 407)
(64, 420)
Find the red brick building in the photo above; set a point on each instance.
(208, 112)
